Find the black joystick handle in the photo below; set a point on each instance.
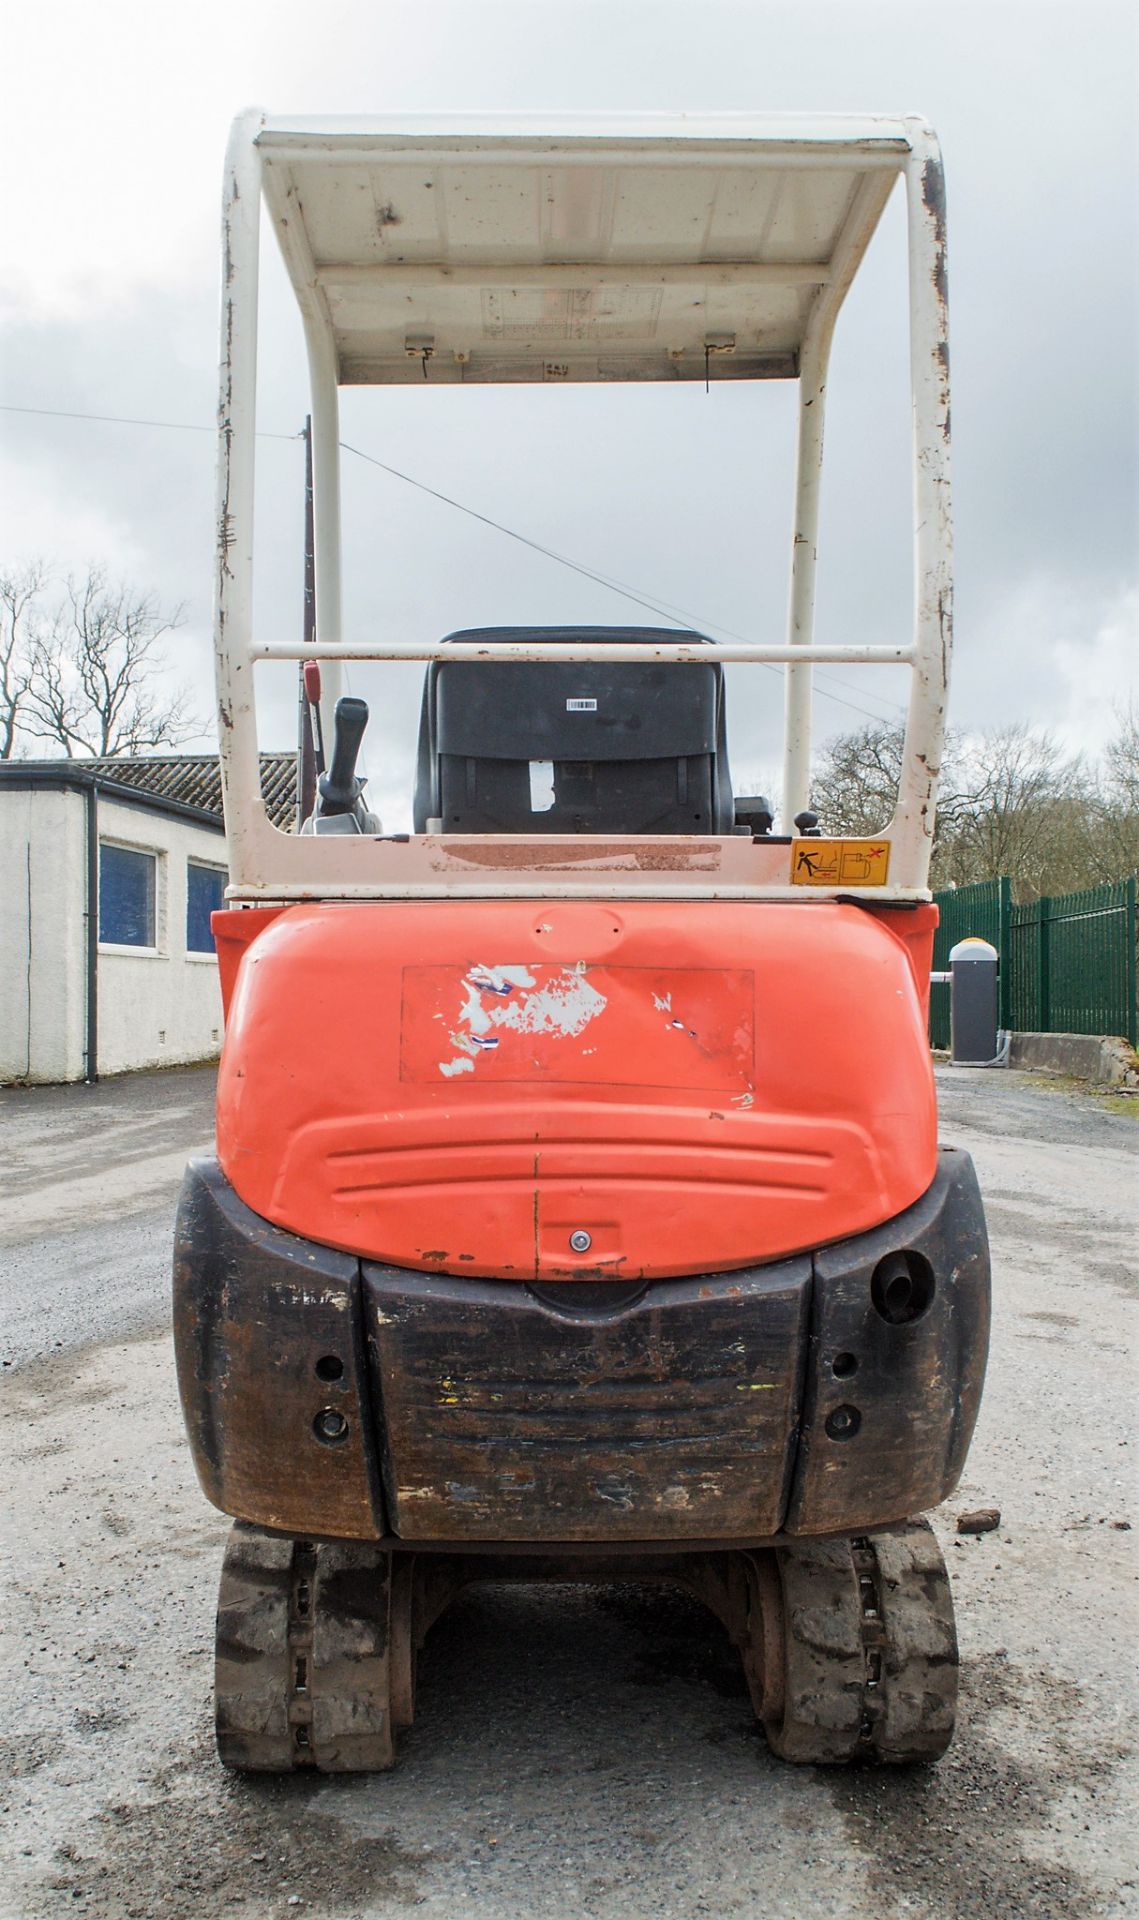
(339, 787)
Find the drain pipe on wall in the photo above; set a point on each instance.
(91, 1039)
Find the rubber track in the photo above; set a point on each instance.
(302, 1674)
(869, 1650)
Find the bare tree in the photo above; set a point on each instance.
(20, 591)
(1117, 810)
(1026, 815)
(1010, 802)
(87, 668)
(1121, 759)
(855, 781)
(854, 786)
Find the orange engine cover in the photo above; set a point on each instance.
(470, 1085)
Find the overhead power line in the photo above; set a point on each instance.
(665, 609)
(126, 420)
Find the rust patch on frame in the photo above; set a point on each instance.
(671, 856)
(933, 198)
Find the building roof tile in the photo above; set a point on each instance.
(190, 779)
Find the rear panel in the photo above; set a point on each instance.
(574, 1091)
(674, 1417)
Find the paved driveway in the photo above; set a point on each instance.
(89, 1179)
(577, 1753)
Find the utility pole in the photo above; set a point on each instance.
(306, 751)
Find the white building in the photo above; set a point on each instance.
(109, 870)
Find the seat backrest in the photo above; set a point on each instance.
(580, 747)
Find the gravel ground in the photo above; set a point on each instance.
(90, 1176)
(576, 1752)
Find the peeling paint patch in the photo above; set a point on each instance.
(500, 982)
(576, 1021)
(510, 997)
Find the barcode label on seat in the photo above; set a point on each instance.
(581, 706)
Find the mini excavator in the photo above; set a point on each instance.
(578, 1210)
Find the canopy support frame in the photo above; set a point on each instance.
(256, 850)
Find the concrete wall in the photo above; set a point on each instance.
(43, 988)
(157, 1007)
(1084, 1056)
(160, 1007)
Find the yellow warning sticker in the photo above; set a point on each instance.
(840, 863)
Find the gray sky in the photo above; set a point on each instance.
(114, 128)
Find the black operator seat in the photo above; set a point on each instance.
(540, 746)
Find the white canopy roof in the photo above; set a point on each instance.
(574, 249)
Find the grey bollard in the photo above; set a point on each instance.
(973, 1036)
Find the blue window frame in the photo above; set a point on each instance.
(126, 896)
(205, 892)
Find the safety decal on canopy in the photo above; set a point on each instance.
(839, 863)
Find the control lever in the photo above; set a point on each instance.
(311, 680)
(340, 788)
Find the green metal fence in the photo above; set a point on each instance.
(1067, 964)
(1072, 961)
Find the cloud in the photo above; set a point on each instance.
(1099, 672)
(1054, 654)
(110, 276)
(40, 522)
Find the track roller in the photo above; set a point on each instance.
(305, 1675)
(851, 1649)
